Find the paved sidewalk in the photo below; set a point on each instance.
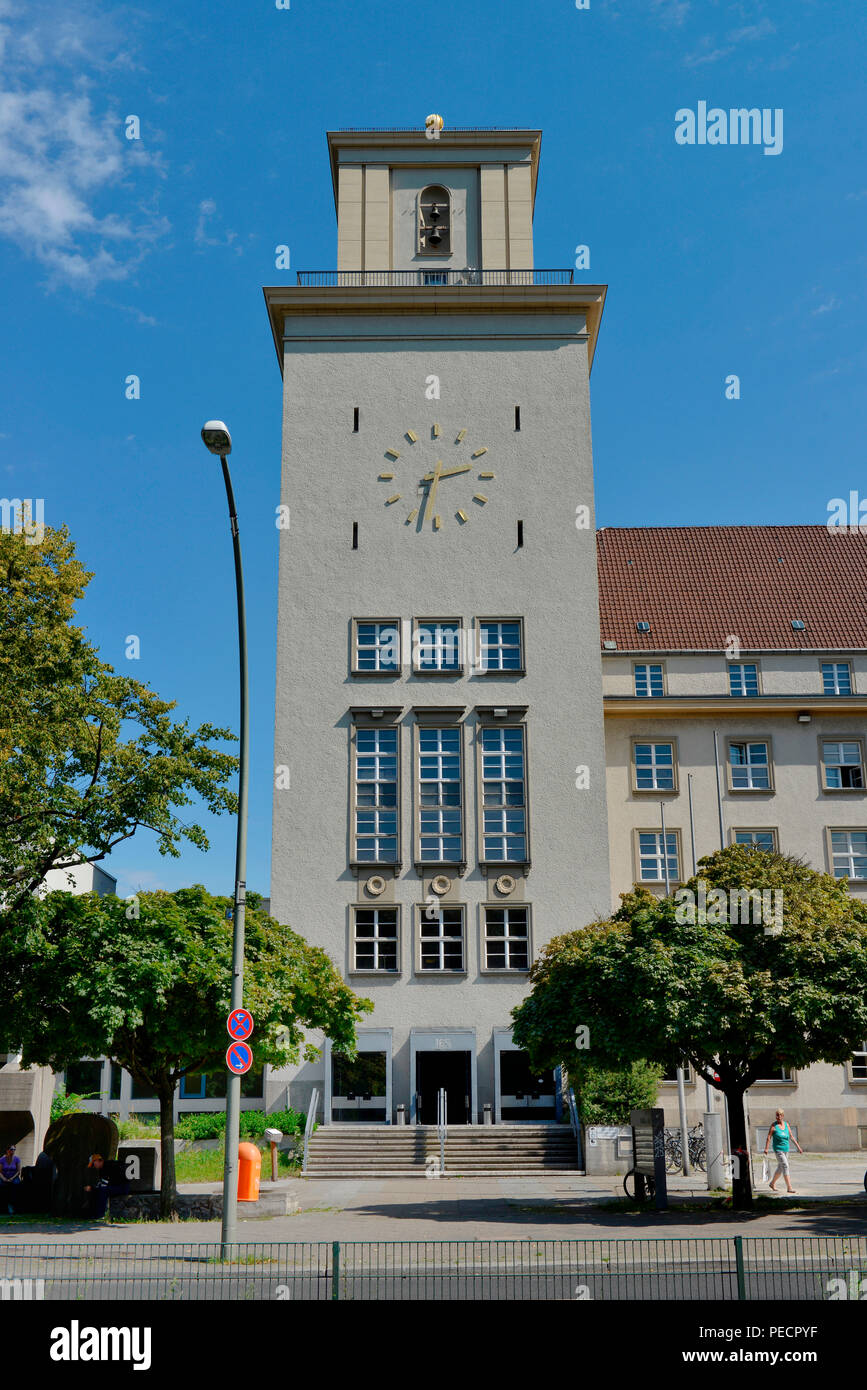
(557, 1207)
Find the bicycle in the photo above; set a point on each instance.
(649, 1187)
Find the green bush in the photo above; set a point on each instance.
(606, 1096)
(253, 1124)
(139, 1127)
(63, 1104)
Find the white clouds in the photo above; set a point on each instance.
(711, 50)
(202, 237)
(68, 178)
(671, 13)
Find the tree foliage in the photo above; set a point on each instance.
(719, 993)
(148, 984)
(87, 757)
(606, 1095)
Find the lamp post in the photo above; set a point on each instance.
(218, 441)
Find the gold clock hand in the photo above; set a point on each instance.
(433, 479)
(450, 472)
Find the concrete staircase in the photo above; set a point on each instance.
(391, 1151)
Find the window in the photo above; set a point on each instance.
(859, 1063)
(84, 1079)
(651, 868)
(507, 938)
(849, 853)
(842, 765)
(376, 796)
(500, 644)
(771, 1070)
(438, 646)
(375, 939)
(760, 839)
(376, 647)
(669, 1075)
(654, 767)
(743, 678)
(440, 830)
(648, 680)
(749, 767)
(441, 938)
(192, 1086)
(434, 222)
(836, 678)
(504, 801)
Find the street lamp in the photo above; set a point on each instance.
(217, 440)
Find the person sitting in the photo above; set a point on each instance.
(107, 1181)
(10, 1176)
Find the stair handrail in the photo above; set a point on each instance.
(442, 1125)
(310, 1126)
(575, 1121)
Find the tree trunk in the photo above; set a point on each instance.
(742, 1186)
(168, 1185)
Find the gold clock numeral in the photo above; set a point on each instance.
(392, 454)
(487, 475)
(437, 523)
(436, 431)
(461, 436)
(412, 436)
(461, 516)
(412, 516)
(480, 498)
(390, 500)
(479, 452)
(384, 477)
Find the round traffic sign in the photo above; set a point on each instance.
(239, 1058)
(240, 1024)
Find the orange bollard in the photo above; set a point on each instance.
(249, 1166)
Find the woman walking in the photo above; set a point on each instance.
(780, 1136)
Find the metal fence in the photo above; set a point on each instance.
(714, 1268)
(433, 279)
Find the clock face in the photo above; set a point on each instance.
(442, 479)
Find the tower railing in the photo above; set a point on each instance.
(428, 278)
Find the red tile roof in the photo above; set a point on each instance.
(699, 585)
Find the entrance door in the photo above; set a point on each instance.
(524, 1095)
(448, 1071)
(358, 1088)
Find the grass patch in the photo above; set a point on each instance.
(206, 1165)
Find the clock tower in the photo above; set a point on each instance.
(439, 804)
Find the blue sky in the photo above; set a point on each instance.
(146, 257)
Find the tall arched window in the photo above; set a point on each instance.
(435, 222)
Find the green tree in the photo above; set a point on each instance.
(87, 757)
(662, 982)
(148, 984)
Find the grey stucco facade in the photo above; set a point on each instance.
(433, 363)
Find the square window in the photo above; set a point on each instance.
(507, 938)
(654, 767)
(437, 646)
(749, 767)
(651, 864)
(376, 647)
(500, 645)
(843, 765)
(743, 678)
(440, 938)
(375, 939)
(849, 854)
(836, 678)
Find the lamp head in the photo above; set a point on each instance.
(216, 437)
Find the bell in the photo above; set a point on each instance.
(434, 237)
(435, 213)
